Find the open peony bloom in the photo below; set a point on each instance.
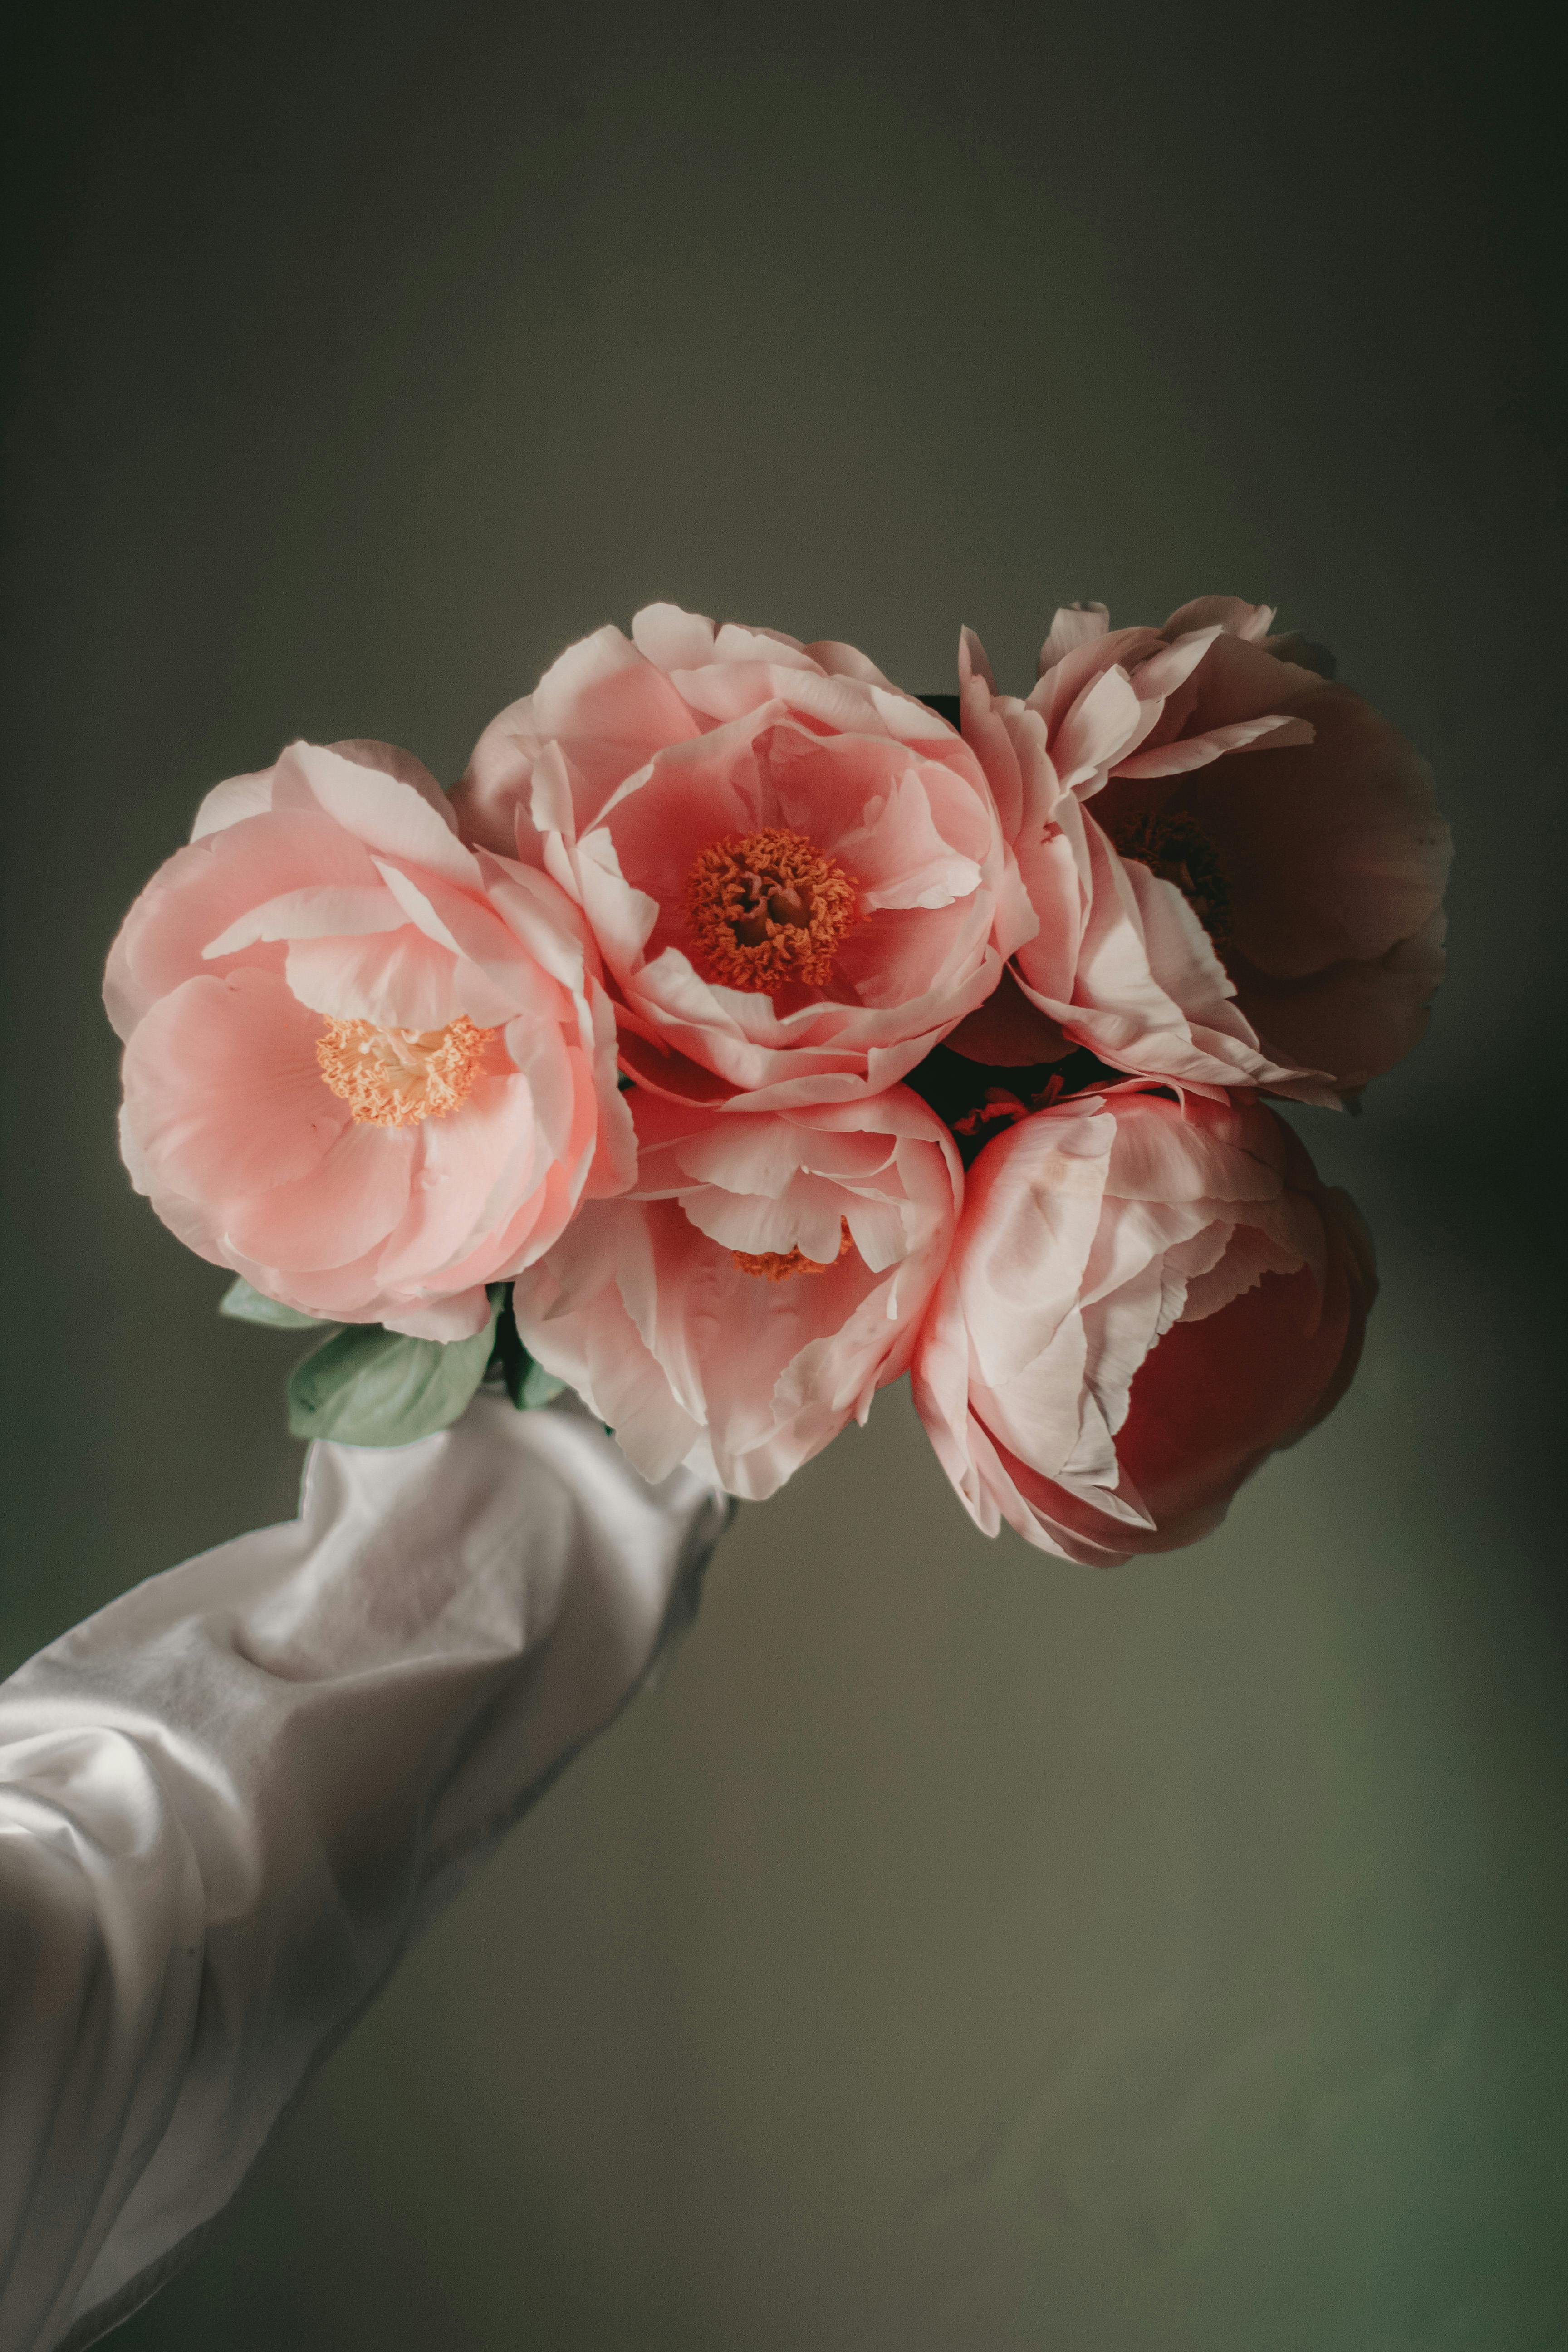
(767, 1273)
(365, 1067)
(794, 871)
(1237, 866)
(1145, 1299)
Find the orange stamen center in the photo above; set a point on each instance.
(391, 1077)
(767, 908)
(778, 1266)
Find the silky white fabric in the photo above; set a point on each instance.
(229, 1799)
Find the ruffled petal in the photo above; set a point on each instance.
(387, 814)
(223, 1091)
(335, 1213)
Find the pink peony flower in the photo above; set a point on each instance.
(794, 871)
(1237, 866)
(365, 1067)
(1145, 1299)
(767, 1273)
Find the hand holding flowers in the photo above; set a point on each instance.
(651, 1059)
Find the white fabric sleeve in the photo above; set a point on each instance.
(229, 1799)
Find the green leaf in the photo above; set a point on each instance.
(537, 1387)
(366, 1386)
(527, 1383)
(247, 1306)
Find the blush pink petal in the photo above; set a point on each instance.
(461, 1316)
(1234, 683)
(840, 661)
(388, 815)
(392, 760)
(604, 698)
(644, 1308)
(900, 859)
(473, 1168)
(491, 981)
(775, 735)
(1065, 684)
(201, 890)
(1175, 759)
(1143, 1299)
(224, 1089)
(673, 639)
(350, 897)
(344, 910)
(335, 1214)
(609, 700)
(1096, 729)
(227, 803)
(1336, 859)
(1121, 723)
(398, 980)
(1150, 997)
(1074, 626)
(738, 690)
(1231, 614)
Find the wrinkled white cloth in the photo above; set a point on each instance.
(229, 1801)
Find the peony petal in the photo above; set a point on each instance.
(612, 709)
(392, 760)
(196, 894)
(399, 979)
(1095, 729)
(223, 1089)
(492, 980)
(747, 729)
(673, 638)
(461, 1317)
(489, 800)
(473, 1167)
(335, 1213)
(1072, 625)
(742, 1155)
(1095, 1421)
(229, 803)
(726, 693)
(341, 910)
(1276, 733)
(1237, 618)
(897, 855)
(387, 815)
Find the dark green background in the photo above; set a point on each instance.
(961, 1952)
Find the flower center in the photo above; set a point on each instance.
(778, 1266)
(1177, 850)
(391, 1077)
(768, 908)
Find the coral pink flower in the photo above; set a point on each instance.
(794, 871)
(1144, 1300)
(1237, 866)
(765, 1276)
(365, 1067)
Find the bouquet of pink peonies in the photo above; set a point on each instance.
(743, 1032)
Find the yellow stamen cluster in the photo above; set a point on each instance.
(779, 1266)
(767, 908)
(392, 1077)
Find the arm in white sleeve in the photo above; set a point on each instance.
(229, 1799)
